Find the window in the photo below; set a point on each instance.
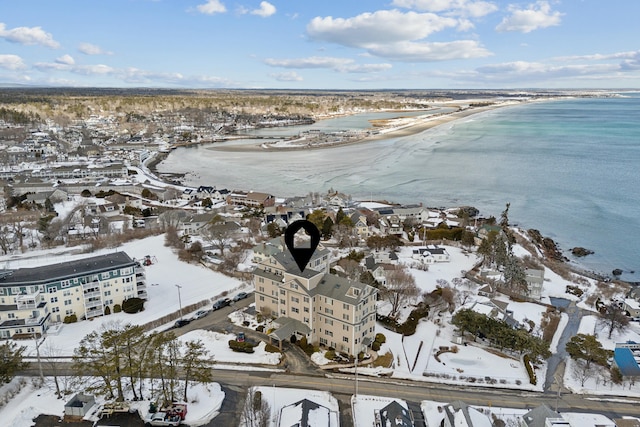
(283, 312)
(306, 320)
(306, 309)
(68, 312)
(66, 293)
(67, 302)
(54, 300)
(328, 311)
(1, 291)
(345, 339)
(306, 299)
(261, 279)
(52, 289)
(15, 290)
(323, 341)
(261, 298)
(55, 309)
(295, 310)
(294, 299)
(65, 283)
(345, 317)
(282, 292)
(345, 306)
(345, 327)
(261, 288)
(328, 321)
(326, 332)
(282, 301)
(105, 276)
(11, 315)
(107, 293)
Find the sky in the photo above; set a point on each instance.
(330, 44)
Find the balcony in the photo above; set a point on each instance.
(92, 294)
(142, 294)
(92, 304)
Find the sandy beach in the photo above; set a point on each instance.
(393, 128)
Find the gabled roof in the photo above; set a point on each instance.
(304, 413)
(537, 416)
(396, 415)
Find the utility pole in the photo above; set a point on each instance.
(38, 355)
(179, 300)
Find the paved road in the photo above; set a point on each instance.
(301, 374)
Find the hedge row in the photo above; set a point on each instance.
(241, 347)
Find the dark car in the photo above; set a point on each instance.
(221, 303)
(241, 295)
(182, 322)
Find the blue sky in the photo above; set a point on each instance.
(305, 44)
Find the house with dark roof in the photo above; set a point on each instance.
(543, 416)
(31, 298)
(306, 413)
(459, 414)
(395, 415)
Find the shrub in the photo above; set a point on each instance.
(241, 347)
(532, 375)
(270, 348)
(381, 338)
(260, 328)
(375, 346)
(133, 305)
(117, 308)
(70, 319)
(107, 311)
(330, 355)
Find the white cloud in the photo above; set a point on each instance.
(28, 36)
(473, 9)
(536, 16)
(92, 49)
(290, 76)
(266, 9)
(381, 27)
(430, 52)
(343, 65)
(11, 62)
(66, 60)
(211, 7)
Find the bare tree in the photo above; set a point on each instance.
(219, 235)
(256, 411)
(613, 318)
(400, 289)
(582, 372)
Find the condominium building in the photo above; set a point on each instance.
(325, 308)
(32, 298)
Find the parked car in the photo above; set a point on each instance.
(182, 322)
(221, 303)
(200, 314)
(241, 295)
(163, 419)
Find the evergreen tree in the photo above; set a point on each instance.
(588, 348)
(327, 227)
(194, 365)
(11, 356)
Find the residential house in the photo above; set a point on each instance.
(484, 231)
(360, 226)
(192, 224)
(306, 413)
(543, 416)
(250, 198)
(626, 356)
(535, 282)
(431, 254)
(496, 309)
(377, 270)
(324, 308)
(632, 306)
(459, 414)
(395, 414)
(30, 298)
(391, 224)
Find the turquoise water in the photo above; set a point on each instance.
(569, 168)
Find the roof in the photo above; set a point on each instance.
(626, 361)
(537, 416)
(50, 273)
(290, 266)
(341, 289)
(304, 413)
(288, 327)
(395, 414)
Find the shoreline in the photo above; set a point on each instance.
(412, 126)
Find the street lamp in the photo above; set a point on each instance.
(179, 300)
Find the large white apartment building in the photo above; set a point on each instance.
(32, 298)
(325, 308)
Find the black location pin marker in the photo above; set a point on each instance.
(302, 255)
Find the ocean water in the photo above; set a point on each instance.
(567, 167)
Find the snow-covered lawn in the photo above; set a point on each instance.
(217, 345)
